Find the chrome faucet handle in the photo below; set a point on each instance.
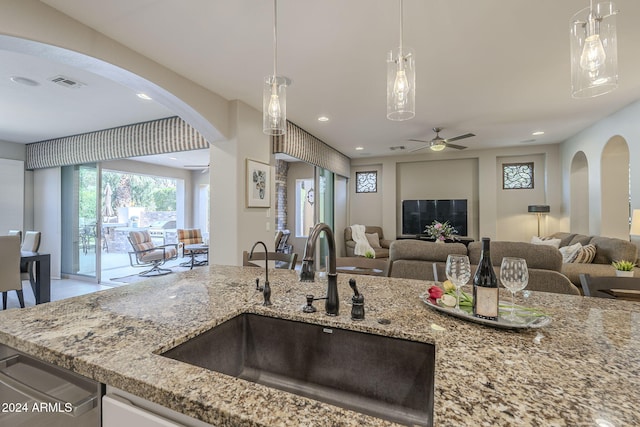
(307, 274)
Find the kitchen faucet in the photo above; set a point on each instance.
(266, 291)
(307, 274)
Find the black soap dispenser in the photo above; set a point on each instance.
(357, 302)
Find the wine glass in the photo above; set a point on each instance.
(458, 271)
(514, 276)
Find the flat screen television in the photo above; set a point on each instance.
(417, 214)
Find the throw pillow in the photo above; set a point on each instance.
(374, 240)
(569, 253)
(551, 242)
(585, 255)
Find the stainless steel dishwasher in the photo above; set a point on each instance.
(34, 393)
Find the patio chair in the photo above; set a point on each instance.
(191, 236)
(146, 254)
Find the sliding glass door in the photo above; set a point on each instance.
(81, 221)
(325, 208)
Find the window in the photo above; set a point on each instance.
(367, 182)
(517, 176)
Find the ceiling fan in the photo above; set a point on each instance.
(438, 143)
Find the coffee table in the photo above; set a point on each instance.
(362, 265)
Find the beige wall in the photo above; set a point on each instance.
(439, 179)
(591, 142)
(366, 208)
(234, 226)
(492, 219)
(516, 224)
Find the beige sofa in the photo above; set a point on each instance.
(608, 249)
(414, 259)
(350, 244)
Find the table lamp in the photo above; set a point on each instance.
(539, 210)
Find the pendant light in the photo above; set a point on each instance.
(401, 81)
(274, 93)
(594, 51)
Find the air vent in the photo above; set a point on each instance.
(67, 82)
(397, 147)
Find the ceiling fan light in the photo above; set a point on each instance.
(594, 51)
(438, 146)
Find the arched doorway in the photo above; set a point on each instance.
(579, 194)
(614, 186)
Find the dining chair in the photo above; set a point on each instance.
(31, 243)
(10, 268)
(284, 261)
(15, 233)
(606, 287)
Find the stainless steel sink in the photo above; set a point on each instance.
(389, 378)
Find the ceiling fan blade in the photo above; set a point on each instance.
(419, 140)
(418, 148)
(455, 138)
(457, 147)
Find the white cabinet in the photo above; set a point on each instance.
(120, 408)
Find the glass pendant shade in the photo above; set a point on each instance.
(274, 105)
(401, 84)
(594, 51)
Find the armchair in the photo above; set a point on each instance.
(191, 236)
(146, 254)
(381, 252)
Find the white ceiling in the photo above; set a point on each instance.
(497, 68)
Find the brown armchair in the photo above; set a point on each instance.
(381, 252)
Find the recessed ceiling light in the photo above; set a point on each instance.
(359, 148)
(323, 119)
(144, 96)
(173, 158)
(24, 81)
(538, 133)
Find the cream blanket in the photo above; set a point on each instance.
(362, 244)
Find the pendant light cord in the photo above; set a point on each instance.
(401, 13)
(275, 38)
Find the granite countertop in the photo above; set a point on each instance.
(582, 368)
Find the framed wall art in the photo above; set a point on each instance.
(258, 186)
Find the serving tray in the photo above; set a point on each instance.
(527, 321)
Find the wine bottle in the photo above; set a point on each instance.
(485, 286)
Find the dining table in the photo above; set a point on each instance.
(41, 284)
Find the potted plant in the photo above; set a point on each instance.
(441, 231)
(623, 268)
